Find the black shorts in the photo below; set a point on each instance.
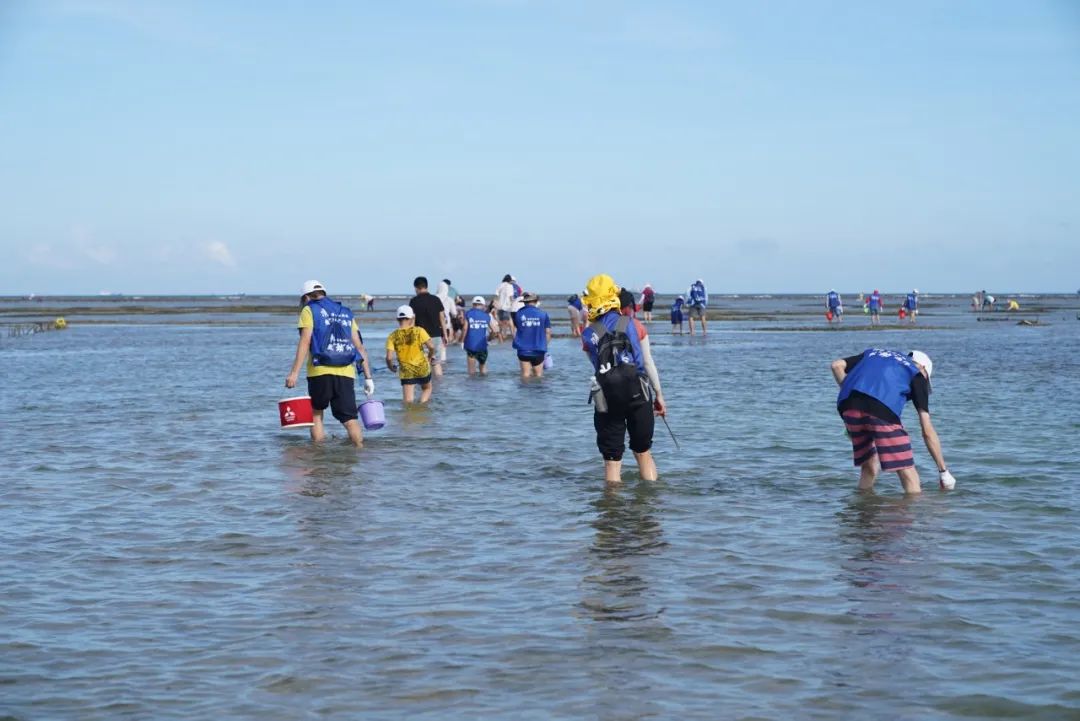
(455, 323)
(611, 429)
(647, 306)
(536, 360)
(416, 381)
(338, 392)
(480, 355)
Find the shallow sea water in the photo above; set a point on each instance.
(169, 553)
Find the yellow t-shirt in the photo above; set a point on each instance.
(408, 344)
(313, 371)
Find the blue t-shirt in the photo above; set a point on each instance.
(531, 338)
(610, 320)
(476, 337)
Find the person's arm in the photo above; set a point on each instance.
(933, 443)
(839, 370)
(444, 324)
(362, 351)
(369, 384)
(654, 377)
(842, 366)
(430, 345)
(302, 347)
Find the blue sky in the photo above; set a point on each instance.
(216, 146)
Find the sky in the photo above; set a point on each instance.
(220, 146)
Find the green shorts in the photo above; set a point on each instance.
(480, 355)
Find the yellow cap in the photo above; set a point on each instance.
(601, 295)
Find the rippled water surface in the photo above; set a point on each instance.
(169, 553)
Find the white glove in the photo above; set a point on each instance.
(946, 480)
(369, 386)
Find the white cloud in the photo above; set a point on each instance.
(220, 253)
(45, 255)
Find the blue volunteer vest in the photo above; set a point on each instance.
(834, 300)
(531, 335)
(697, 294)
(477, 333)
(875, 302)
(882, 374)
(331, 334)
(912, 301)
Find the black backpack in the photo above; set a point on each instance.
(616, 373)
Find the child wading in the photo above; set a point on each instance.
(335, 349)
(479, 328)
(415, 353)
(677, 315)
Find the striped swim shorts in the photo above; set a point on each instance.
(870, 435)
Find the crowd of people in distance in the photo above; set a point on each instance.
(873, 305)
(625, 390)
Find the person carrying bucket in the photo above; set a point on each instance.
(875, 306)
(415, 352)
(875, 385)
(532, 336)
(834, 307)
(330, 342)
(479, 328)
(911, 305)
(622, 397)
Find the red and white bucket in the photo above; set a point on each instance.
(295, 412)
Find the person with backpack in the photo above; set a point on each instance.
(648, 298)
(697, 300)
(623, 398)
(330, 342)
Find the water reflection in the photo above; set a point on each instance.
(627, 535)
(876, 528)
(880, 565)
(313, 469)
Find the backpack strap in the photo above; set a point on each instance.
(622, 324)
(599, 329)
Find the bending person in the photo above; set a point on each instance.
(874, 388)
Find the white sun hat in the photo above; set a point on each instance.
(310, 286)
(924, 360)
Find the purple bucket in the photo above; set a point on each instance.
(371, 413)
(548, 362)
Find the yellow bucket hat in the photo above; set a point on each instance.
(601, 295)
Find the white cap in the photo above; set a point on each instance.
(405, 311)
(479, 300)
(924, 360)
(915, 291)
(310, 286)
